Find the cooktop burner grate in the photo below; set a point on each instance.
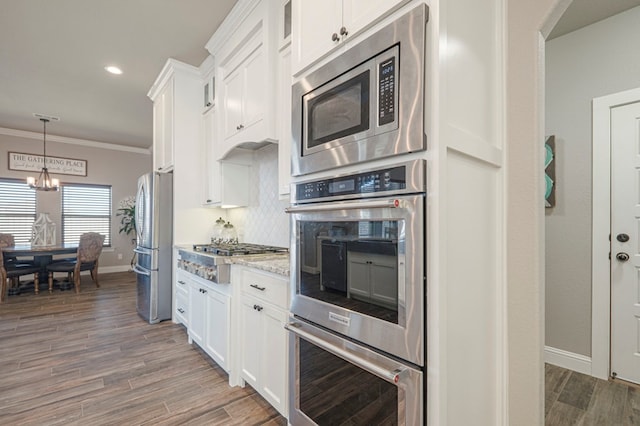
(240, 249)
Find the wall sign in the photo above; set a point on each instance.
(58, 165)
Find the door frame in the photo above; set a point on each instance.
(601, 228)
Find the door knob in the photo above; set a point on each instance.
(343, 31)
(622, 257)
(334, 37)
(623, 238)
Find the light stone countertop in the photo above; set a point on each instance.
(275, 263)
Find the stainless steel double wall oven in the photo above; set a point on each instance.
(357, 336)
(357, 341)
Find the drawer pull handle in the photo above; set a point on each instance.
(257, 287)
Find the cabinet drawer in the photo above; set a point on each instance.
(182, 306)
(182, 284)
(270, 288)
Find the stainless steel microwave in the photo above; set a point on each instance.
(367, 103)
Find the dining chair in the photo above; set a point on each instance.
(89, 250)
(15, 271)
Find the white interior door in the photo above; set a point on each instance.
(625, 242)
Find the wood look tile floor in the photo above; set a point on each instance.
(88, 359)
(572, 398)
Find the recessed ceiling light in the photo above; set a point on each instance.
(113, 69)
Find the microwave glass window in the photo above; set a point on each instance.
(340, 111)
(352, 264)
(335, 392)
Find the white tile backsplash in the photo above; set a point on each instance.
(264, 220)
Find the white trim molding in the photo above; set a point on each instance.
(73, 141)
(601, 228)
(569, 360)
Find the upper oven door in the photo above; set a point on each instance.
(366, 278)
(356, 105)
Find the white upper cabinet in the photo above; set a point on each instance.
(174, 113)
(318, 27)
(245, 47)
(163, 128)
(226, 184)
(208, 84)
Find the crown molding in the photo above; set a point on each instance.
(73, 141)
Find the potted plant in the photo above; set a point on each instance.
(127, 212)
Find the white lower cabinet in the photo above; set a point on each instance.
(263, 339)
(182, 299)
(209, 317)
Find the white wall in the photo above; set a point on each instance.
(594, 61)
(117, 168)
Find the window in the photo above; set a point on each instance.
(17, 209)
(86, 208)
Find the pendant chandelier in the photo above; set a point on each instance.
(44, 181)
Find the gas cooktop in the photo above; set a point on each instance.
(238, 249)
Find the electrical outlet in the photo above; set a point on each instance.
(119, 256)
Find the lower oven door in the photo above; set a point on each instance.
(334, 381)
(369, 284)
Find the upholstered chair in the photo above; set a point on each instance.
(13, 272)
(89, 250)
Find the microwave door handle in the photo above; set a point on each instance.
(377, 204)
(392, 377)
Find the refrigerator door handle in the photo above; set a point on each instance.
(140, 250)
(139, 270)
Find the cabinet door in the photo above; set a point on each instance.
(284, 136)
(197, 309)
(233, 102)
(167, 126)
(250, 330)
(313, 25)
(358, 275)
(157, 133)
(359, 14)
(384, 280)
(211, 166)
(217, 328)
(273, 371)
(254, 90)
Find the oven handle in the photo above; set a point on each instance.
(380, 371)
(376, 204)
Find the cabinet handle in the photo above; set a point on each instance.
(257, 287)
(181, 310)
(343, 31)
(208, 104)
(335, 37)
(258, 308)
(208, 201)
(239, 127)
(181, 282)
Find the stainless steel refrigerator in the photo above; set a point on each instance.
(154, 229)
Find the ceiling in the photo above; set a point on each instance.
(53, 54)
(581, 13)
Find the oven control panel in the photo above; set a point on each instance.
(371, 182)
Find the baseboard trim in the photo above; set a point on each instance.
(110, 269)
(568, 360)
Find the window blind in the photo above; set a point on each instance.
(17, 209)
(86, 208)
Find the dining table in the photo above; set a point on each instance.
(42, 256)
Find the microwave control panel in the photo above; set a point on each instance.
(386, 91)
(371, 182)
